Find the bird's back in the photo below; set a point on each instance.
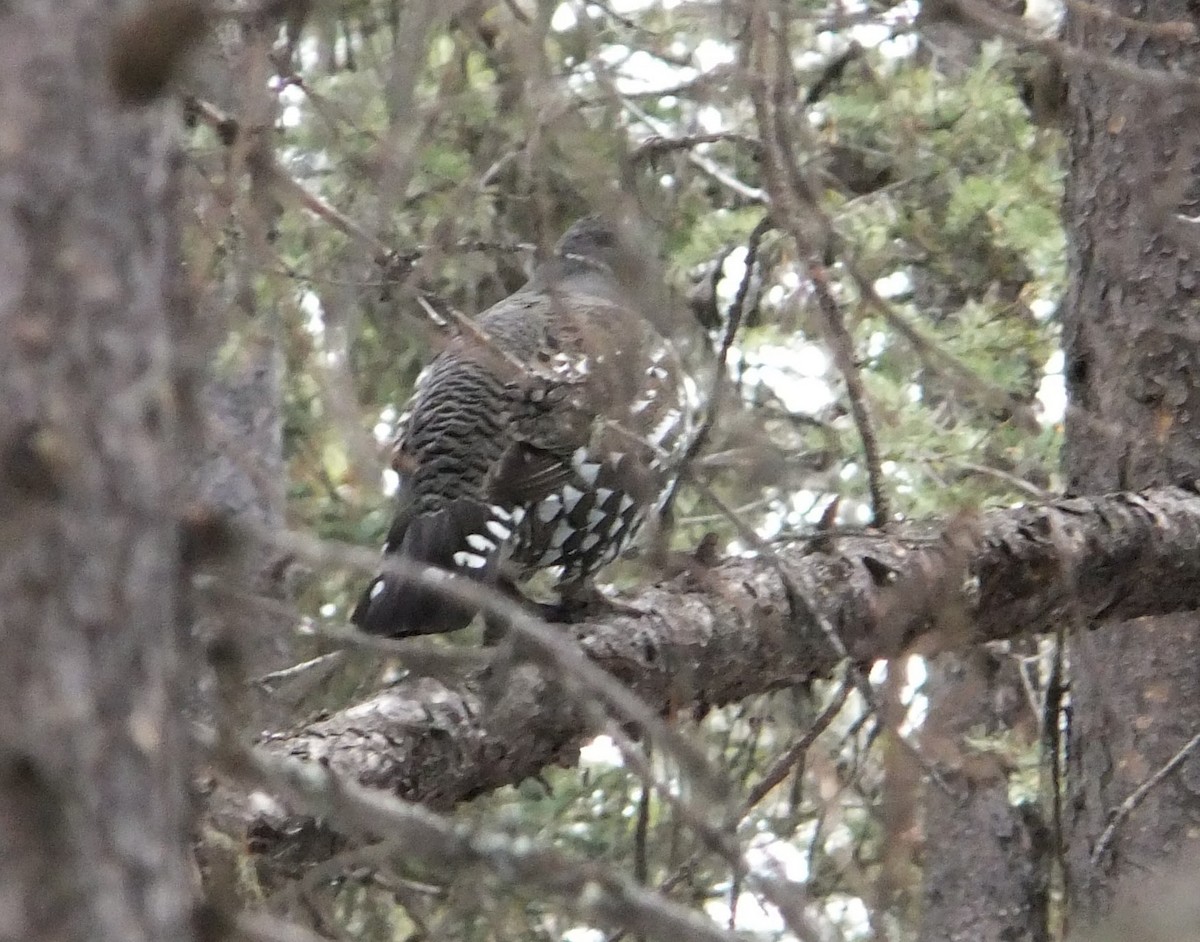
(543, 443)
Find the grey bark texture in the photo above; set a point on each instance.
(1133, 374)
(985, 862)
(714, 635)
(93, 773)
(242, 473)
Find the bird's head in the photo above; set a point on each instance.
(608, 258)
(592, 239)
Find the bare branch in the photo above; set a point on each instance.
(715, 636)
(793, 200)
(706, 166)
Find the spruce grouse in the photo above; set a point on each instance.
(542, 443)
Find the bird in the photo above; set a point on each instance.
(539, 439)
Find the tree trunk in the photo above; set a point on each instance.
(985, 872)
(242, 473)
(93, 785)
(1133, 373)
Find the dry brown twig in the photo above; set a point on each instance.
(702, 163)
(772, 85)
(783, 765)
(718, 832)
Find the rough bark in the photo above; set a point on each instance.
(241, 472)
(984, 868)
(1133, 372)
(712, 636)
(93, 788)
(985, 859)
(952, 44)
(240, 468)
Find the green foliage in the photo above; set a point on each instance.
(516, 128)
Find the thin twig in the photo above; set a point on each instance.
(592, 889)
(1179, 30)
(421, 656)
(369, 855)
(469, 328)
(323, 663)
(1052, 747)
(842, 345)
(656, 145)
(721, 368)
(1027, 488)
(1136, 797)
(783, 765)
(717, 830)
(799, 606)
(774, 775)
(793, 201)
(641, 833)
(626, 22)
(831, 73)
(772, 92)
(699, 161)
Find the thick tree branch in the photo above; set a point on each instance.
(715, 635)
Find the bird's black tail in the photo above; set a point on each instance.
(464, 536)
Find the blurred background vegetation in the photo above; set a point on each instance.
(371, 159)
